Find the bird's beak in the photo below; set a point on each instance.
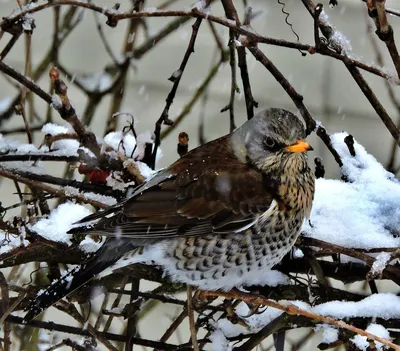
(299, 146)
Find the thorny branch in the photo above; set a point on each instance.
(311, 275)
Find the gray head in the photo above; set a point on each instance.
(270, 138)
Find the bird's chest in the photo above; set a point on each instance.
(275, 234)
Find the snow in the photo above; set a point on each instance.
(297, 253)
(143, 139)
(56, 102)
(65, 147)
(28, 23)
(107, 200)
(376, 329)
(7, 146)
(145, 170)
(120, 142)
(128, 143)
(361, 213)
(47, 338)
(337, 39)
(380, 263)
(60, 220)
(219, 342)
(329, 334)
(13, 147)
(115, 181)
(255, 322)
(7, 246)
(89, 245)
(383, 305)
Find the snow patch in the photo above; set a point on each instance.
(376, 329)
(60, 220)
(362, 213)
(384, 305)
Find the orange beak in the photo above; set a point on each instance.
(299, 146)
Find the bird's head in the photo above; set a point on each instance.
(273, 140)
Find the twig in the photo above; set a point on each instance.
(328, 31)
(254, 37)
(36, 157)
(231, 14)
(319, 168)
(391, 93)
(192, 325)
(390, 271)
(49, 189)
(384, 31)
(175, 78)
(10, 45)
(325, 137)
(183, 144)
(248, 95)
(71, 310)
(174, 325)
(116, 303)
(199, 92)
(46, 178)
(132, 320)
(4, 306)
(84, 332)
(317, 13)
(266, 331)
(104, 39)
(294, 95)
(67, 112)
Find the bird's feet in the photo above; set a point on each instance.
(202, 298)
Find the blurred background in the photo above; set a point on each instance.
(329, 92)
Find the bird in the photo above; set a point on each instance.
(218, 218)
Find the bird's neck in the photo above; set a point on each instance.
(296, 189)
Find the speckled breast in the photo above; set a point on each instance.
(225, 261)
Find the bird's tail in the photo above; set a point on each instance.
(69, 282)
(106, 256)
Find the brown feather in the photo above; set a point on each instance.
(207, 190)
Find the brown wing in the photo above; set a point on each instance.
(207, 190)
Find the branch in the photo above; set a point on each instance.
(49, 189)
(328, 31)
(384, 31)
(253, 37)
(291, 309)
(294, 95)
(176, 78)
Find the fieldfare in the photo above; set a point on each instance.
(219, 217)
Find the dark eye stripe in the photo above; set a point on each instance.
(273, 148)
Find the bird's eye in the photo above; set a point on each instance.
(269, 142)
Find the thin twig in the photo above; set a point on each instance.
(175, 78)
(192, 324)
(49, 189)
(254, 37)
(294, 95)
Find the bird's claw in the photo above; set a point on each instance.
(202, 298)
